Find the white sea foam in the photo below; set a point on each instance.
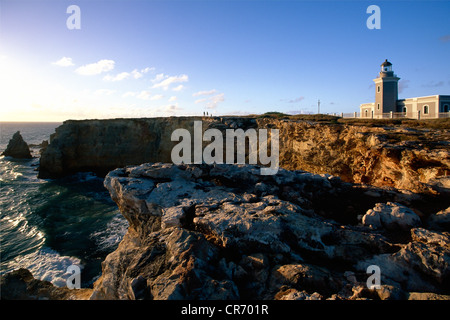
(109, 238)
(46, 264)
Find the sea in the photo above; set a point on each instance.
(48, 225)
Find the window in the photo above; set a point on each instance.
(378, 106)
(404, 110)
(365, 113)
(446, 109)
(378, 88)
(426, 109)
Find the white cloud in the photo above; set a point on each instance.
(129, 94)
(178, 88)
(171, 108)
(163, 81)
(136, 74)
(96, 68)
(105, 92)
(144, 95)
(117, 77)
(158, 77)
(204, 93)
(157, 97)
(139, 73)
(200, 100)
(172, 98)
(212, 102)
(64, 62)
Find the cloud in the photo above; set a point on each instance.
(129, 94)
(178, 88)
(139, 73)
(172, 108)
(117, 77)
(163, 81)
(172, 98)
(157, 97)
(136, 74)
(445, 38)
(105, 92)
(159, 77)
(204, 93)
(296, 100)
(212, 102)
(402, 85)
(433, 84)
(96, 68)
(201, 100)
(64, 62)
(144, 95)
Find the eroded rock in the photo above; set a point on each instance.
(391, 216)
(17, 148)
(226, 232)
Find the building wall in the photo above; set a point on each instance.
(390, 96)
(432, 109)
(369, 107)
(443, 102)
(386, 95)
(413, 105)
(436, 105)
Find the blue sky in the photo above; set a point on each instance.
(168, 57)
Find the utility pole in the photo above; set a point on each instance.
(318, 107)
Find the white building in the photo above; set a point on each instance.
(387, 104)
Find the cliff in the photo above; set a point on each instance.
(227, 232)
(405, 158)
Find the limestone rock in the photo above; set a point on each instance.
(421, 265)
(427, 296)
(226, 232)
(21, 285)
(17, 148)
(391, 216)
(440, 220)
(359, 154)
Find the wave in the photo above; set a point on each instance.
(47, 265)
(108, 239)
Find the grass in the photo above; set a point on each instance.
(443, 123)
(308, 117)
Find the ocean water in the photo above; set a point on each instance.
(47, 225)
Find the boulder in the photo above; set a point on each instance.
(440, 220)
(391, 216)
(421, 265)
(17, 148)
(21, 285)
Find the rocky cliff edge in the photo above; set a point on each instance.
(226, 232)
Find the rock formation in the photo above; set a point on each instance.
(226, 232)
(21, 285)
(391, 216)
(17, 148)
(404, 158)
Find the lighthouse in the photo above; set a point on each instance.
(386, 90)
